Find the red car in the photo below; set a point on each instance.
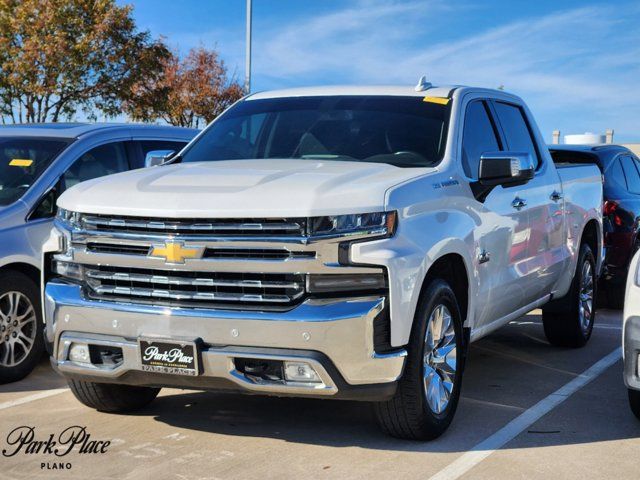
(621, 209)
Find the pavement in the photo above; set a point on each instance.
(528, 410)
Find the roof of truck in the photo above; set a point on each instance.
(408, 90)
(76, 130)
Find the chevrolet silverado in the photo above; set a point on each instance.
(333, 242)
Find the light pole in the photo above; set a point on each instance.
(247, 66)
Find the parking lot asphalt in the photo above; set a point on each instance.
(513, 422)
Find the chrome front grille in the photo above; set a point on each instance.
(255, 264)
(287, 227)
(195, 288)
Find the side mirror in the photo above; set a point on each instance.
(505, 168)
(157, 157)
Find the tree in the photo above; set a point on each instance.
(190, 93)
(60, 56)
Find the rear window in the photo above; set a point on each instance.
(569, 156)
(22, 161)
(402, 131)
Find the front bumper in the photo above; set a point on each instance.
(334, 336)
(631, 345)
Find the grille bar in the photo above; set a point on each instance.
(283, 226)
(187, 288)
(175, 280)
(196, 296)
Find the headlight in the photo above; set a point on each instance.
(68, 218)
(381, 224)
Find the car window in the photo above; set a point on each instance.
(630, 167)
(98, 162)
(478, 137)
(22, 161)
(517, 134)
(614, 176)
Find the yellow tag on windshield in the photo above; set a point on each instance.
(20, 162)
(438, 100)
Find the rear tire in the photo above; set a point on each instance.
(428, 392)
(634, 402)
(615, 296)
(113, 398)
(568, 321)
(21, 327)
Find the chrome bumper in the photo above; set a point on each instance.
(335, 337)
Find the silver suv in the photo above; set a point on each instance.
(37, 163)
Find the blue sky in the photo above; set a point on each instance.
(576, 63)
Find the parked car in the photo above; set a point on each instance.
(621, 209)
(340, 242)
(38, 163)
(631, 335)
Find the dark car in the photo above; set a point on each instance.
(621, 209)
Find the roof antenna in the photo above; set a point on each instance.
(423, 84)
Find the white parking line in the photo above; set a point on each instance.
(507, 433)
(32, 398)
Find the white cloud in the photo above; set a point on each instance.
(578, 69)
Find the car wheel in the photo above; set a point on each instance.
(615, 296)
(427, 395)
(21, 328)
(634, 402)
(568, 321)
(113, 398)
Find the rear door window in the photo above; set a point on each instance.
(516, 130)
(614, 176)
(630, 167)
(478, 137)
(100, 161)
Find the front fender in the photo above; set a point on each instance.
(421, 239)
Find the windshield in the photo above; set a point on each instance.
(22, 161)
(402, 131)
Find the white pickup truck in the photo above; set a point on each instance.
(341, 242)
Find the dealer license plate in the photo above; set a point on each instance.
(176, 358)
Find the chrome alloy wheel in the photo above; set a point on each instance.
(439, 362)
(18, 328)
(585, 306)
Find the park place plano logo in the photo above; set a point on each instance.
(24, 440)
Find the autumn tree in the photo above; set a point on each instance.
(61, 56)
(190, 93)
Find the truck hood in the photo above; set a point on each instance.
(241, 188)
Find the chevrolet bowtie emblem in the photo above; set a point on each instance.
(175, 252)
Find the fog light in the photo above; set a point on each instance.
(300, 372)
(79, 353)
(68, 270)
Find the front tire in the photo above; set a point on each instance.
(568, 321)
(112, 398)
(634, 402)
(428, 392)
(21, 328)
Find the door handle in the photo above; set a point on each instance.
(556, 196)
(519, 203)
